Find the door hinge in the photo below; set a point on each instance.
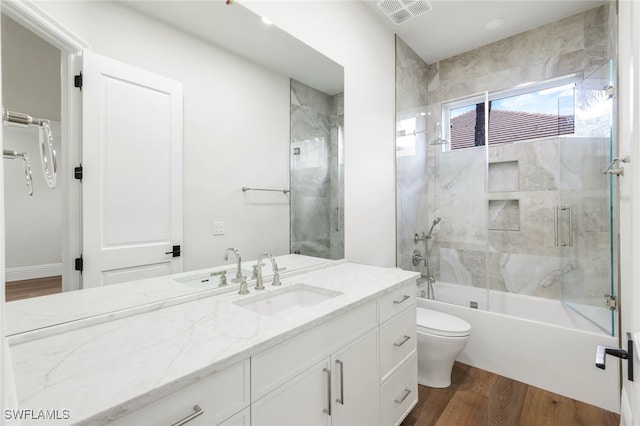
(79, 264)
(611, 301)
(610, 91)
(77, 81)
(77, 172)
(175, 252)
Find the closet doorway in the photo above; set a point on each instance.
(31, 85)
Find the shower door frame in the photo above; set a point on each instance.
(584, 309)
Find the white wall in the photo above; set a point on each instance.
(33, 234)
(629, 132)
(347, 33)
(31, 72)
(236, 127)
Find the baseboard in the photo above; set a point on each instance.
(32, 272)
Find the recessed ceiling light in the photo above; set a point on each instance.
(494, 23)
(266, 21)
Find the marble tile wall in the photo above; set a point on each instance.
(415, 205)
(550, 172)
(316, 188)
(577, 43)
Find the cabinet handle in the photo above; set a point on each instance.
(402, 299)
(402, 341)
(341, 399)
(197, 411)
(401, 399)
(328, 409)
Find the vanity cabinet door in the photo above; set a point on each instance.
(355, 383)
(303, 400)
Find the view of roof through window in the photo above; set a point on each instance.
(537, 114)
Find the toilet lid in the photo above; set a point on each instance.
(441, 324)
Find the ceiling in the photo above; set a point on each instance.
(451, 27)
(239, 31)
(456, 26)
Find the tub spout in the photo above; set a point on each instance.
(430, 292)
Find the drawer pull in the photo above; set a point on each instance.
(402, 299)
(401, 399)
(341, 399)
(402, 341)
(197, 411)
(328, 409)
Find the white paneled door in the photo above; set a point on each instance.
(132, 172)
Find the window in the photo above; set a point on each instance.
(528, 111)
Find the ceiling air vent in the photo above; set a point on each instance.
(400, 11)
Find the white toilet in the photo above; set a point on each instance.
(441, 338)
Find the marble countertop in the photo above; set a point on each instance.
(104, 371)
(37, 315)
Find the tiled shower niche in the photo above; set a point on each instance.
(504, 215)
(503, 177)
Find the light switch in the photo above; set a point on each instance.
(218, 228)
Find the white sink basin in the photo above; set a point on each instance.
(287, 298)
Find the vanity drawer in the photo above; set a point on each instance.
(273, 367)
(396, 301)
(400, 393)
(219, 396)
(397, 341)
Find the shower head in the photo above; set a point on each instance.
(439, 141)
(435, 222)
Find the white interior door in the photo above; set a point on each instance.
(629, 113)
(132, 172)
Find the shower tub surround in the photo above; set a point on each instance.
(517, 249)
(103, 372)
(317, 192)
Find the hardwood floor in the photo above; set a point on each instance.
(478, 397)
(16, 290)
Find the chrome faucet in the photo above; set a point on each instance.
(429, 281)
(239, 277)
(274, 266)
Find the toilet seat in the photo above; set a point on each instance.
(441, 324)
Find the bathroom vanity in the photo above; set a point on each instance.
(332, 346)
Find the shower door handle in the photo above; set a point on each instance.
(570, 210)
(556, 226)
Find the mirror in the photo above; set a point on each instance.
(252, 95)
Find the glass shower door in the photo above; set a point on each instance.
(585, 218)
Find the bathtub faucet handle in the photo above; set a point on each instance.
(418, 258)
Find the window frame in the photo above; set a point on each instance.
(486, 97)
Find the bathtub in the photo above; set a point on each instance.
(533, 340)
